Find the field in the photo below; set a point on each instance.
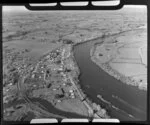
(126, 53)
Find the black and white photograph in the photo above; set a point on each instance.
(74, 64)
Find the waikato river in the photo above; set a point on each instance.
(122, 101)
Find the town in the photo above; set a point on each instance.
(55, 79)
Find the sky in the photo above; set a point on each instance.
(23, 9)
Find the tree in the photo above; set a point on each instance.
(58, 61)
(67, 70)
(100, 54)
(49, 85)
(58, 96)
(66, 41)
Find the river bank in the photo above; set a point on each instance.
(94, 109)
(107, 68)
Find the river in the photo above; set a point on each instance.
(48, 107)
(125, 102)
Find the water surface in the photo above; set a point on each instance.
(123, 101)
